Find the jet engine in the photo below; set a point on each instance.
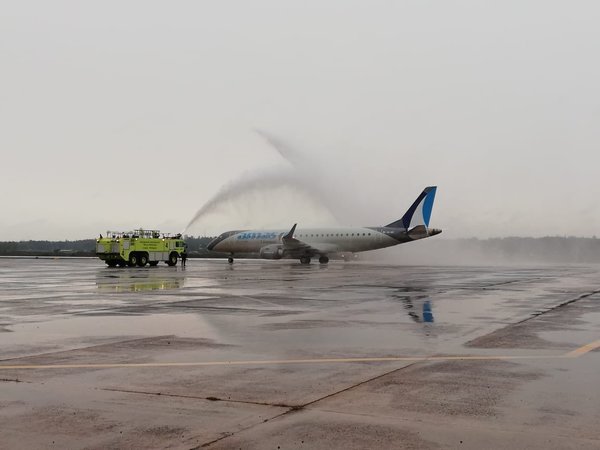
(271, 252)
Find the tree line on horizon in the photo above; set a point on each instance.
(551, 249)
(82, 247)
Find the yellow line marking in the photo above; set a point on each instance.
(274, 362)
(584, 349)
(572, 354)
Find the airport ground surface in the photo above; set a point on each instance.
(275, 354)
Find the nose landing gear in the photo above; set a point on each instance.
(323, 259)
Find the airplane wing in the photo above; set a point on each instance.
(294, 247)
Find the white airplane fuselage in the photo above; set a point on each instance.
(329, 240)
(305, 243)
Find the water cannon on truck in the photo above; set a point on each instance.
(139, 248)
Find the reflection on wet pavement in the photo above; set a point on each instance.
(361, 347)
(122, 280)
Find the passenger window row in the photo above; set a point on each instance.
(333, 235)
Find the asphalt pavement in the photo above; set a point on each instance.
(275, 354)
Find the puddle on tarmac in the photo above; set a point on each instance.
(77, 332)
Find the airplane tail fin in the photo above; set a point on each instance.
(420, 211)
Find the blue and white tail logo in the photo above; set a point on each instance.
(420, 211)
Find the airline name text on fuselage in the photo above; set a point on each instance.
(246, 236)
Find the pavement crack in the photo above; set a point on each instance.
(296, 408)
(538, 314)
(198, 397)
(12, 380)
(226, 435)
(341, 391)
(215, 399)
(504, 283)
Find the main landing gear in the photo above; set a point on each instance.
(230, 259)
(306, 259)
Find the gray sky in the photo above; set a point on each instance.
(128, 113)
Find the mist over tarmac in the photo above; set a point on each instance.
(138, 114)
(508, 251)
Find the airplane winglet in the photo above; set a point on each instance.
(290, 234)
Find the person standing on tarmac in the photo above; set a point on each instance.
(183, 257)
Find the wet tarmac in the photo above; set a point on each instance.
(274, 354)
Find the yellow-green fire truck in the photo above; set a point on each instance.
(139, 247)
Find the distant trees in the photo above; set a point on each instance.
(197, 244)
(85, 246)
(552, 249)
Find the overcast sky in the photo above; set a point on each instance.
(135, 113)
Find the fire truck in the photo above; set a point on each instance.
(139, 248)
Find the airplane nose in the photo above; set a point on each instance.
(211, 244)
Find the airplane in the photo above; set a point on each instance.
(304, 244)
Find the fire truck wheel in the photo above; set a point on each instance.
(172, 259)
(133, 260)
(143, 260)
